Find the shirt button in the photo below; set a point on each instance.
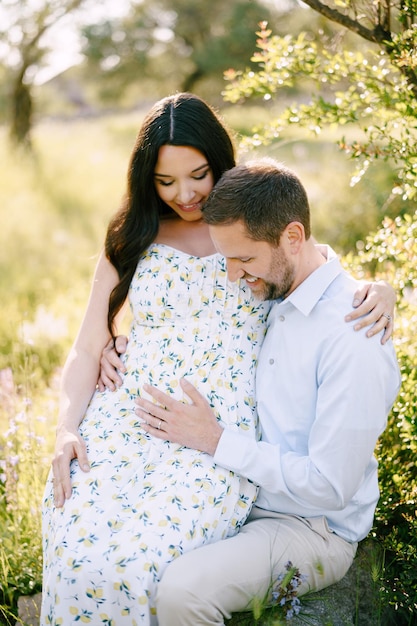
(271, 361)
(282, 318)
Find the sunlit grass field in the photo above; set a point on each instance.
(54, 208)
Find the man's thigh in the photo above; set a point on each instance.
(321, 556)
(212, 582)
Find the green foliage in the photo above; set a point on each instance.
(348, 87)
(391, 254)
(22, 476)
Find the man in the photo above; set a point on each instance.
(323, 396)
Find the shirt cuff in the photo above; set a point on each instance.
(232, 450)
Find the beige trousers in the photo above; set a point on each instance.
(208, 584)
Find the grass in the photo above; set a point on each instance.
(55, 206)
(24, 453)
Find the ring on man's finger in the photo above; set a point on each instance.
(159, 425)
(388, 316)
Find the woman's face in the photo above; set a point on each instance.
(183, 180)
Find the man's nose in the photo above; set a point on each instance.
(234, 270)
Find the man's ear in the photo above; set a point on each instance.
(294, 236)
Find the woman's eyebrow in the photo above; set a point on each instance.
(200, 167)
(197, 169)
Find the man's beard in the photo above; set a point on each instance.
(284, 273)
(271, 291)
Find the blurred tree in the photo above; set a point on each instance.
(179, 42)
(374, 88)
(22, 27)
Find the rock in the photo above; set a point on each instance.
(29, 610)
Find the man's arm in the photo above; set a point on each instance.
(111, 364)
(319, 449)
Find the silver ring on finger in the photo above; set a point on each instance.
(159, 425)
(388, 316)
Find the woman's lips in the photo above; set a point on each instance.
(188, 208)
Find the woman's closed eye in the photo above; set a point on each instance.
(203, 175)
(164, 183)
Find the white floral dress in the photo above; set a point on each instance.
(146, 501)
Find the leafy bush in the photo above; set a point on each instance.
(361, 89)
(391, 254)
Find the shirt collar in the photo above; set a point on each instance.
(305, 296)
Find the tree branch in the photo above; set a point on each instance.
(377, 35)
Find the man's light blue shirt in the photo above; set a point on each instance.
(323, 395)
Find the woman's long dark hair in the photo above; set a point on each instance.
(180, 120)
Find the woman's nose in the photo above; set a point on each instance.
(185, 193)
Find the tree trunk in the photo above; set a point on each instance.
(190, 80)
(21, 114)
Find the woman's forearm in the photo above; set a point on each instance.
(78, 383)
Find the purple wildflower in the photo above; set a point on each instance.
(284, 592)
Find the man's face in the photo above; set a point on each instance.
(266, 269)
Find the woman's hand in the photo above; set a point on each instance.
(111, 364)
(375, 304)
(69, 445)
